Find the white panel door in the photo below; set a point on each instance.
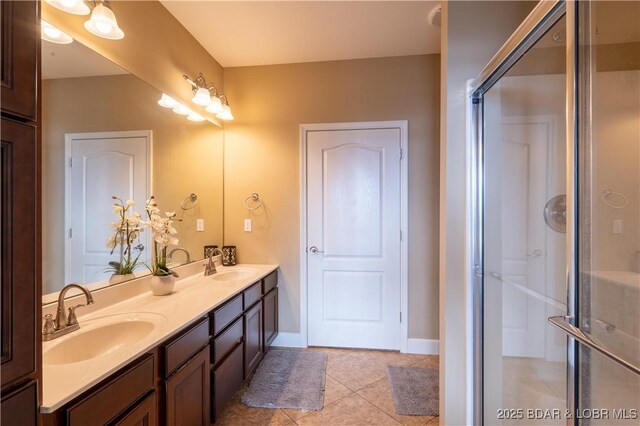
(101, 166)
(524, 183)
(353, 219)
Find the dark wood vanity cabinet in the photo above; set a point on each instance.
(187, 399)
(20, 213)
(239, 331)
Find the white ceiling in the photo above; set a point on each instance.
(74, 60)
(244, 33)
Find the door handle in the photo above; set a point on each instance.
(536, 253)
(314, 250)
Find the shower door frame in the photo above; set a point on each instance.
(539, 21)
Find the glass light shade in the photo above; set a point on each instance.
(225, 114)
(202, 97)
(76, 7)
(167, 102)
(215, 107)
(50, 33)
(195, 117)
(103, 23)
(182, 110)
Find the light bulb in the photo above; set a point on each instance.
(77, 7)
(167, 102)
(69, 3)
(181, 109)
(202, 97)
(195, 117)
(103, 27)
(215, 106)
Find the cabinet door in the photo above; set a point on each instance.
(270, 307)
(253, 334)
(20, 34)
(143, 414)
(227, 379)
(20, 407)
(187, 393)
(19, 254)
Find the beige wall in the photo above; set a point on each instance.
(156, 47)
(187, 157)
(472, 32)
(262, 155)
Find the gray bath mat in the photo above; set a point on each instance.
(415, 390)
(288, 379)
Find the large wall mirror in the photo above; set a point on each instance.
(104, 135)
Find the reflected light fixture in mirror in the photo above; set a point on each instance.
(76, 7)
(167, 102)
(103, 23)
(50, 33)
(207, 96)
(182, 110)
(195, 117)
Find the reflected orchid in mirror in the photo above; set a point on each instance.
(126, 232)
(164, 235)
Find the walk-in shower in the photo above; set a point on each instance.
(556, 192)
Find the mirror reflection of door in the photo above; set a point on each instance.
(100, 165)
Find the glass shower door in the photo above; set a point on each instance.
(608, 278)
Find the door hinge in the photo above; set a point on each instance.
(401, 235)
(70, 233)
(400, 316)
(401, 154)
(70, 162)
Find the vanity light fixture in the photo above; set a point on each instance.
(206, 95)
(50, 33)
(225, 114)
(77, 7)
(103, 23)
(167, 102)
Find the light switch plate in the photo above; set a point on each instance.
(199, 225)
(617, 226)
(247, 225)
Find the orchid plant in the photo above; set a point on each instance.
(163, 234)
(126, 231)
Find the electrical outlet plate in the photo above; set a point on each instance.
(199, 225)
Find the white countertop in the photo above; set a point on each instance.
(193, 297)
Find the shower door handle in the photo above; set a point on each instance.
(565, 323)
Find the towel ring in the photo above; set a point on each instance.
(256, 199)
(193, 198)
(621, 205)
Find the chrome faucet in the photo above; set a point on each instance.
(210, 268)
(62, 324)
(182, 250)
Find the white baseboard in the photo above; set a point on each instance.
(423, 346)
(289, 340)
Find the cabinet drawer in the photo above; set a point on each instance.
(181, 349)
(252, 295)
(114, 397)
(225, 315)
(227, 379)
(270, 282)
(227, 340)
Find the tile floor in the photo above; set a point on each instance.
(356, 393)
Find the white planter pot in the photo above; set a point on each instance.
(161, 286)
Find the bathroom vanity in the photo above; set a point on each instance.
(174, 360)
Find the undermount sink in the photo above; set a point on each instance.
(101, 336)
(233, 274)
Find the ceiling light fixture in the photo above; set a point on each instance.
(50, 33)
(207, 95)
(103, 23)
(77, 7)
(195, 117)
